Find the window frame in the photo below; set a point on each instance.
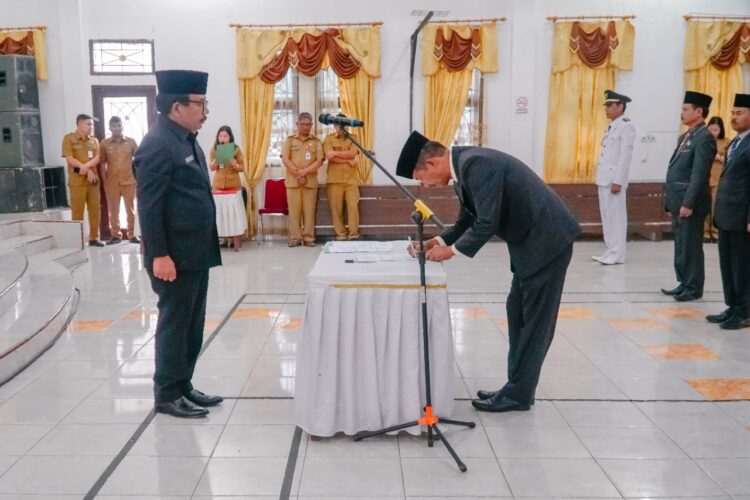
(93, 72)
(476, 102)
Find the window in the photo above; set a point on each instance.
(471, 128)
(326, 99)
(121, 57)
(295, 94)
(285, 106)
(133, 111)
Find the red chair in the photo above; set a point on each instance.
(274, 202)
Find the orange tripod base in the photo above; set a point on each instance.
(429, 418)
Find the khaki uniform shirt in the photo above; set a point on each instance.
(116, 161)
(302, 153)
(226, 176)
(340, 173)
(82, 149)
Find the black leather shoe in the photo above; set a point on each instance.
(96, 243)
(203, 400)
(674, 291)
(499, 404)
(735, 323)
(135, 239)
(720, 318)
(486, 394)
(114, 241)
(181, 408)
(686, 297)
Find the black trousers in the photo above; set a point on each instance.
(688, 252)
(179, 331)
(734, 260)
(533, 304)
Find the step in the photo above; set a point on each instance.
(10, 230)
(69, 257)
(13, 267)
(28, 244)
(39, 318)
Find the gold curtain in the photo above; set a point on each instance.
(445, 95)
(575, 119)
(357, 94)
(357, 100)
(446, 91)
(704, 40)
(39, 51)
(256, 49)
(256, 113)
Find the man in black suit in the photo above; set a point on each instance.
(178, 224)
(688, 196)
(732, 217)
(501, 196)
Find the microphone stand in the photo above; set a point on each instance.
(421, 213)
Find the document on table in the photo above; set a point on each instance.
(358, 247)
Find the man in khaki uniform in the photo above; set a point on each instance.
(81, 151)
(302, 155)
(342, 184)
(117, 173)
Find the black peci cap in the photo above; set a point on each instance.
(178, 81)
(742, 100)
(697, 99)
(407, 160)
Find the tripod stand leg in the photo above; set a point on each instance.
(429, 436)
(470, 425)
(461, 465)
(366, 434)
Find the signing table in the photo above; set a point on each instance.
(360, 361)
(231, 221)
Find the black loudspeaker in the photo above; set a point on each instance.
(21, 140)
(18, 87)
(32, 189)
(21, 190)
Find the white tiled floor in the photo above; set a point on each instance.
(611, 419)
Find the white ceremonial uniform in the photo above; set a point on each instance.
(613, 168)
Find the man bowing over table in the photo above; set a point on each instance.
(501, 196)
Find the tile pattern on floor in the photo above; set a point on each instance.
(639, 398)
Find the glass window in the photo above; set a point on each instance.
(326, 99)
(121, 57)
(286, 104)
(471, 128)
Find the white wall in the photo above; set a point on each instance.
(193, 34)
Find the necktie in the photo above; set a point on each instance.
(733, 146)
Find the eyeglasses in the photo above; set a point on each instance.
(203, 103)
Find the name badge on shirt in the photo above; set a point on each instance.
(90, 153)
(189, 159)
(308, 155)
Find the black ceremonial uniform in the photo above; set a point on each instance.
(178, 218)
(732, 217)
(687, 185)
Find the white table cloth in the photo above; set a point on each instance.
(230, 213)
(360, 360)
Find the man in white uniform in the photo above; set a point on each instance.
(612, 178)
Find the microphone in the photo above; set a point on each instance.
(329, 119)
